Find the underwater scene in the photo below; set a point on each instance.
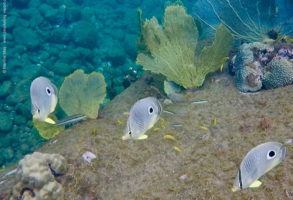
(146, 100)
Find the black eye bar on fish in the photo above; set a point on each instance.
(240, 179)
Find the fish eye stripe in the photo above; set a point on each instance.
(240, 179)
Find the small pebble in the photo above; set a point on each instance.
(88, 156)
(289, 141)
(183, 177)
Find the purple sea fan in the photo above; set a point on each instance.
(248, 20)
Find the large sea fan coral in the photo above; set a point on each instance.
(82, 93)
(171, 50)
(248, 20)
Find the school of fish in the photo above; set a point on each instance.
(143, 116)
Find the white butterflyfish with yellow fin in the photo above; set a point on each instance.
(143, 115)
(43, 98)
(256, 163)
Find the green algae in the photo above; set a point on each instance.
(82, 93)
(46, 130)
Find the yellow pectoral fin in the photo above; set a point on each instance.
(142, 137)
(255, 184)
(50, 121)
(234, 189)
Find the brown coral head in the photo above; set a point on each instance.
(252, 80)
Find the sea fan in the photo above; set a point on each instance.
(169, 49)
(248, 20)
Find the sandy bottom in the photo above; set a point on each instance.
(206, 167)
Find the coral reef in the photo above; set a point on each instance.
(260, 65)
(35, 177)
(206, 167)
(82, 93)
(171, 50)
(278, 73)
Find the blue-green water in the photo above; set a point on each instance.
(222, 70)
(52, 38)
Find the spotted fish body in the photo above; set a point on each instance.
(143, 115)
(257, 162)
(43, 98)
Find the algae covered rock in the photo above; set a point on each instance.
(35, 177)
(85, 34)
(171, 50)
(82, 93)
(5, 122)
(26, 37)
(259, 65)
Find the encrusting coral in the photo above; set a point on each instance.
(259, 65)
(82, 93)
(171, 50)
(36, 177)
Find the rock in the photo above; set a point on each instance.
(67, 56)
(113, 51)
(19, 120)
(37, 172)
(62, 68)
(9, 37)
(5, 122)
(278, 73)
(83, 53)
(79, 2)
(1, 159)
(260, 65)
(85, 34)
(11, 22)
(72, 14)
(44, 55)
(33, 15)
(24, 148)
(26, 36)
(248, 79)
(55, 16)
(32, 71)
(129, 45)
(7, 108)
(20, 3)
(247, 72)
(7, 153)
(5, 88)
(19, 49)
